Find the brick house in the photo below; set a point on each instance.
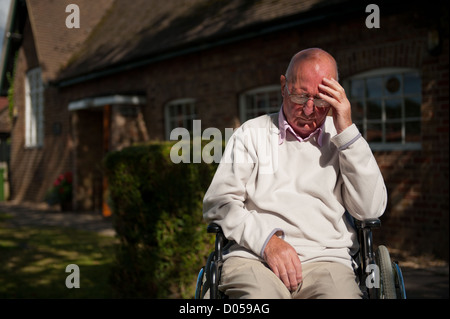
(134, 71)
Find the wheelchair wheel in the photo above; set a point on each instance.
(387, 288)
(200, 282)
(399, 283)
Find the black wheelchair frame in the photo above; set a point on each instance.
(379, 277)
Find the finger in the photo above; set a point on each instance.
(330, 92)
(330, 99)
(333, 83)
(328, 84)
(298, 270)
(293, 280)
(333, 87)
(275, 270)
(287, 275)
(283, 275)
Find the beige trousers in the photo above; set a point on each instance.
(244, 278)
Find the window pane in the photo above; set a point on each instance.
(412, 83)
(374, 87)
(249, 106)
(192, 113)
(34, 116)
(374, 110)
(357, 88)
(392, 85)
(393, 109)
(173, 124)
(357, 110)
(179, 110)
(181, 115)
(261, 102)
(393, 132)
(412, 131)
(172, 111)
(189, 125)
(412, 107)
(374, 133)
(275, 102)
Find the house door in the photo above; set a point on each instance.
(101, 125)
(89, 152)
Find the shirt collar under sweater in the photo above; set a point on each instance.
(284, 126)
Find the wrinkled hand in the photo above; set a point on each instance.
(342, 111)
(284, 262)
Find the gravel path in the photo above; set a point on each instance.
(40, 214)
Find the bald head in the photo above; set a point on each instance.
(313, 57)
(304, 77)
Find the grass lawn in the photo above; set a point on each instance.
(33, 262)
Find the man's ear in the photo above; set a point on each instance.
(283, 83)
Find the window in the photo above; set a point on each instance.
(260, 101)
(34, 109)
(386, 107)
(180, 113)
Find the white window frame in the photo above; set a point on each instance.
(34, 109)
(188, 109)
(387, 146)
(247, 112)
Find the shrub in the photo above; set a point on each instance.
(157, 214)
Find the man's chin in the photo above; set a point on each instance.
(305, 129)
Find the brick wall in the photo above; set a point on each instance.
(33, 170)
(417, 181)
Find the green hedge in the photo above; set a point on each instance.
(157, 214)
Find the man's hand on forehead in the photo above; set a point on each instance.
(334, 94)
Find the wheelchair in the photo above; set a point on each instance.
(379, 277)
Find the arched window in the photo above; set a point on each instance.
(259, 101)
(34, 108)
(386, 107)
(179, 113)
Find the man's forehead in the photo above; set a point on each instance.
(313, 71)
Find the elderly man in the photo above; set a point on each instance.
(288, 223)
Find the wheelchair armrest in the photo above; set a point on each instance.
(213, 228)
(365, 239)
(221, 240)
(371, 223)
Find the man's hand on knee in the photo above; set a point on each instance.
(284, 262)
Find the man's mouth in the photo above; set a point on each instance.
(304, 121)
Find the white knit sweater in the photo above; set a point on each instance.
(297, 189)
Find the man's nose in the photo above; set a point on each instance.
(308, 108)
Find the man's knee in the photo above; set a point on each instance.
(329, 280)
(244, 278)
